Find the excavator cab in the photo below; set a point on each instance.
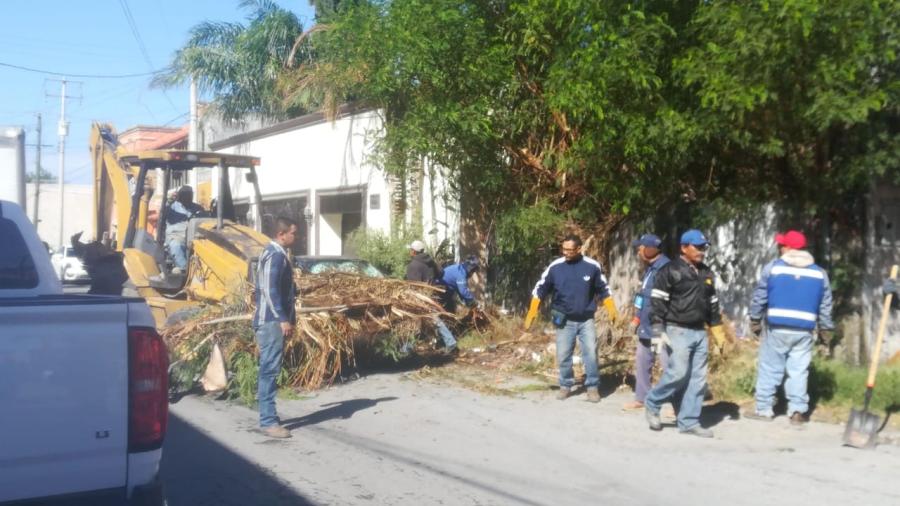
(219, 250)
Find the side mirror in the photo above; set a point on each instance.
(250, 177)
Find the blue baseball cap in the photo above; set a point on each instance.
(648, 240)
(694, 237)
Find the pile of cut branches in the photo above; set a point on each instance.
(337, 314)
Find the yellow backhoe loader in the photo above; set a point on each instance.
(220, 251)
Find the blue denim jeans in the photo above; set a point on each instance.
(270, 340)
(643, 367)
(178, 252)
(586, 333)
(784, 351)
(684, 380)
(444, 332)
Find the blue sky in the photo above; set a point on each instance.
(93, 37)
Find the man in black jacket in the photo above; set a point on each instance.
(423, 269)
(684, 301)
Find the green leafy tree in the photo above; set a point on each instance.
(240, 63)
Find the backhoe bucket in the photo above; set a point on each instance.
(862, 429)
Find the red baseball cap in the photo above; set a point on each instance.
(791, 239)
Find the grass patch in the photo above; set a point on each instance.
(834, 387)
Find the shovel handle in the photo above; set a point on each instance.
(882, 326)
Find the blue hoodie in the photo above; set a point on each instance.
(456, 282)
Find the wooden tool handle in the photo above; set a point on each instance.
(882, 326)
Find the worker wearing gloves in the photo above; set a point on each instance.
(793, 296)
(456, 283)
(423, 269)
(684, 301)
(648, 346)
(273, 320)
(577, 283)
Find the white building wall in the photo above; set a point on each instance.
(78, 202)
(323, 158)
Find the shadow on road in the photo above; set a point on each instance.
(714, 414)
(334, 410)
(198, 471)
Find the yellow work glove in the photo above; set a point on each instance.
(611, 310)
(532, 312)
(718, 333)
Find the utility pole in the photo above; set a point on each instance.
(63, 131)
(37, 171)
(37, 167)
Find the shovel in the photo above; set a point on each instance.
(862, 428)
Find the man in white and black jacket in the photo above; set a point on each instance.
(684, 302)
(577, 284)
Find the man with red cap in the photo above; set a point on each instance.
(794, 297)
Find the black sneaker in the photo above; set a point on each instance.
(799, 418)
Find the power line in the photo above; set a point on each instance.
(134, 31)
(83, 76)
(129, 17)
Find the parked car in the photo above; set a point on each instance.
(323, 264)
(67, 266)
(84, 384)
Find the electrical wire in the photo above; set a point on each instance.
(83, 76)
(129, 18)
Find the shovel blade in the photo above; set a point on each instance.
(862, 429)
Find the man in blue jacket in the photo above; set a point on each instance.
(456, 283)
(648, 346)
(577, 283)
(793, 295)
(273, 320)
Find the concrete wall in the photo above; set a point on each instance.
(739, 251)
(78, 202)
(883, 250)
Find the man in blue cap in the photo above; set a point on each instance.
(648, 347)
(684, 301)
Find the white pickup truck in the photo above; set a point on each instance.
(83, 385)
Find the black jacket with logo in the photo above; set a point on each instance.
(685, 296)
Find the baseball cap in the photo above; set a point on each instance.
(694, 237)
(791, 239)
(417, 246)
(648, 240)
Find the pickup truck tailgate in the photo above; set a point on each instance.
(63, 396)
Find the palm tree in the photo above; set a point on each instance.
(240, 63)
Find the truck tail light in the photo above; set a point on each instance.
(148, 389)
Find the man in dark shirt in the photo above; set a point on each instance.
(577, 283)
(423, 269)
(648, 348)
(684, 301)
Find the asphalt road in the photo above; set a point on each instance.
(391, 440)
